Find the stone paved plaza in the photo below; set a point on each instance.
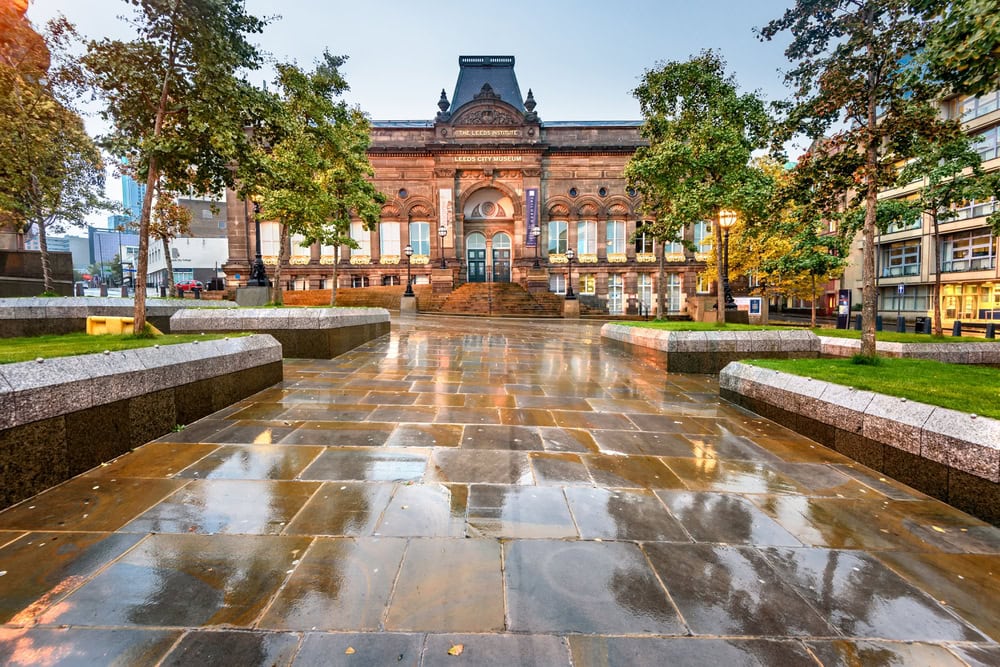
(512, 487)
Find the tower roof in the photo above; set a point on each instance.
(496, 71)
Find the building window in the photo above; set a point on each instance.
(389, 281)
(615, 287)
(967, 251)
(673, 293)
(557, 283)
(643, 238)
(557, 237)
(616, 237)
(645, 287)
(388, 235)
(703, 236)
(974, 107)
(914, 298)
(586, 237)
(703, 286)
(985, 143)
(420, 238)
(902, 226)
(222, 224)
(359, 281)
(588, 284)
(327, 251)
(901, 259)
(363, 238)
(270, 240)
(974, 209)
(296, 248)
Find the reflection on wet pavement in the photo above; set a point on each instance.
(515, 488)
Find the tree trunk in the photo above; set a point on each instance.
(869, 293)
(937, 278)
(720, 301)
(43, 247)
(152, 176)
(171, 288)
(661, 283)
(333, 285)
(812, 304)
(277, 292)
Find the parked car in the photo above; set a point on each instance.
(188, 285)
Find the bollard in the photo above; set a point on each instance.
(857, 323)
(878, 323)
(900, 325)
(104, 290)
(956, 329)
(163, 291)
(124, 291)
(991, 330)
(197, 293)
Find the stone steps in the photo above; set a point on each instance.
(498, 299)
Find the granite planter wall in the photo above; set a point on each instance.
(304, 333)
(708, 351)
(952, 353)
(63, 416)
(37, 316)
(952, 456)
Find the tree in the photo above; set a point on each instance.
(315, 173)
(963, 49)
(853, 63)
(950, 171)
(169, 221)
(174, 100)
(51, 173)
(701, 134)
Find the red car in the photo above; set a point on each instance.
(187, 285)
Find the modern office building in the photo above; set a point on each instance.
(486, 188)
(906, 262)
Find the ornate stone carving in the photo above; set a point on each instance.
(588, 258)
(443, 105)
(486, 116)
(646, 257)
(588, 210)
(420, 211)
(618, 210)
(326, 260)
(617, 258)
(443, 172)
(298, 260)
(558, 211)
(420, 259)
(389, 259)
(558, 259)
(531, 172)
(390, 211)
(485, 93)
(361, 259)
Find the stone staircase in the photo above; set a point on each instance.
(496, 299)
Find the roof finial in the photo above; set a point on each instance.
(529, 105)
(443, 105)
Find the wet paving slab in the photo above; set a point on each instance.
(456, 493)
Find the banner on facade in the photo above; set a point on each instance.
(530, 215)
(445, 207)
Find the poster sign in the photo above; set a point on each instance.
(444, 207)
(530, 215)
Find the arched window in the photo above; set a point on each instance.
(420, 238)
(557, 237)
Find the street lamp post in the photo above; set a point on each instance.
(536, 231)
(258, 275)
(726, 220)
(408, 251)
(442, 232)
(570, 256)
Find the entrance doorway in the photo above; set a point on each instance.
(501, 258)
(475, 253)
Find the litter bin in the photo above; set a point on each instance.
(197, 292)
(922, 325)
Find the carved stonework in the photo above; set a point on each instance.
(588, 258)
(559, 211)
(557, 259)
(618, 210)
(299, 260)
(646, 257)
(420, 259)
(441, 172)
(486, 116)
(420, 211)
(389, 259)
(531, 172)
(361, 259)
(588, 210)
(617, 258)
(326, 260)
(390, 211)
(270, 260)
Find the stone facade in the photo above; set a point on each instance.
(465, 191)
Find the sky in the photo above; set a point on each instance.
(581, 59)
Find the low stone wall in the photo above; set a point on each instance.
(63, 416)
(304, 333)
(38, 316)
(952, 353)
(952, 456)
(708, 351)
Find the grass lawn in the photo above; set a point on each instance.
(893, 337)
(973, 389)
(66, 345)
(669, 325)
